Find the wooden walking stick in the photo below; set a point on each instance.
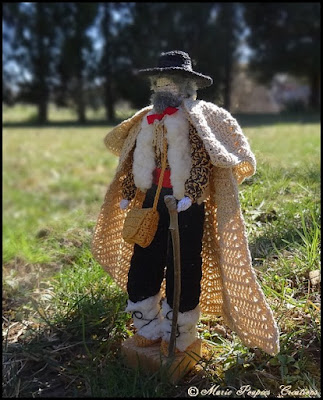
(173, 227)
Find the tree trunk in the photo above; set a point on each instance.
(80, 104)
(81, 111)
(80, 66)
(42, 109)
(227, 82)
(41, 67)
(109, 101)
(315, 94)
(79, 100)
(228, 17)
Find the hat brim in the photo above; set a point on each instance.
(202, 81)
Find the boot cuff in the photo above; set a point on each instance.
(146, 305)
(190, 317)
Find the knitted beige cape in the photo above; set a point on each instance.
(229, 285)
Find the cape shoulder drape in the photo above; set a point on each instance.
(229, 287)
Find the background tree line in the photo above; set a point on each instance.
(83, 54)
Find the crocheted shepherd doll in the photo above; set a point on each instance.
(207, 157)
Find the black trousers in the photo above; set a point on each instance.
(151, 264)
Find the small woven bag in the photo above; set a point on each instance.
(141, 224)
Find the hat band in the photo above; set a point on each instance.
(175, 62)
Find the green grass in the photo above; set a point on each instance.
(63, 316)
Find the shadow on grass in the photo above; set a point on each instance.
(278, 237)
(271, 241)
(57, 360)
(245, 120)
(281, 230)
(77, 355)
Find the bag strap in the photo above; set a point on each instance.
(161, 178)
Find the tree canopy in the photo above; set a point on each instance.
(285, 37)
(61, 51)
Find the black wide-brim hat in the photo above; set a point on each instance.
(177, 62)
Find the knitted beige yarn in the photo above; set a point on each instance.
(229, 286)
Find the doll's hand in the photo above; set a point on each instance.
(184, 204)
(124, 204)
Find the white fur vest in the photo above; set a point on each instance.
(179, 153)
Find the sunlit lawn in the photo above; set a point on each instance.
(63, 317)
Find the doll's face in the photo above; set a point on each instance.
(164, 84)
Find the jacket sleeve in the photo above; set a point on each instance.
(222, 137)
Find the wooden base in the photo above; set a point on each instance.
(150, 359)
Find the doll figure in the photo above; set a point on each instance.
(207, 157)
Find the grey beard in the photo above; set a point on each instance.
(162, 100)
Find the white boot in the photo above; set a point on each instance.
(186, 326)
(147, 317)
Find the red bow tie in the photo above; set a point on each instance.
(168, 111)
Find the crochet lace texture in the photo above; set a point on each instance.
(229, 286)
